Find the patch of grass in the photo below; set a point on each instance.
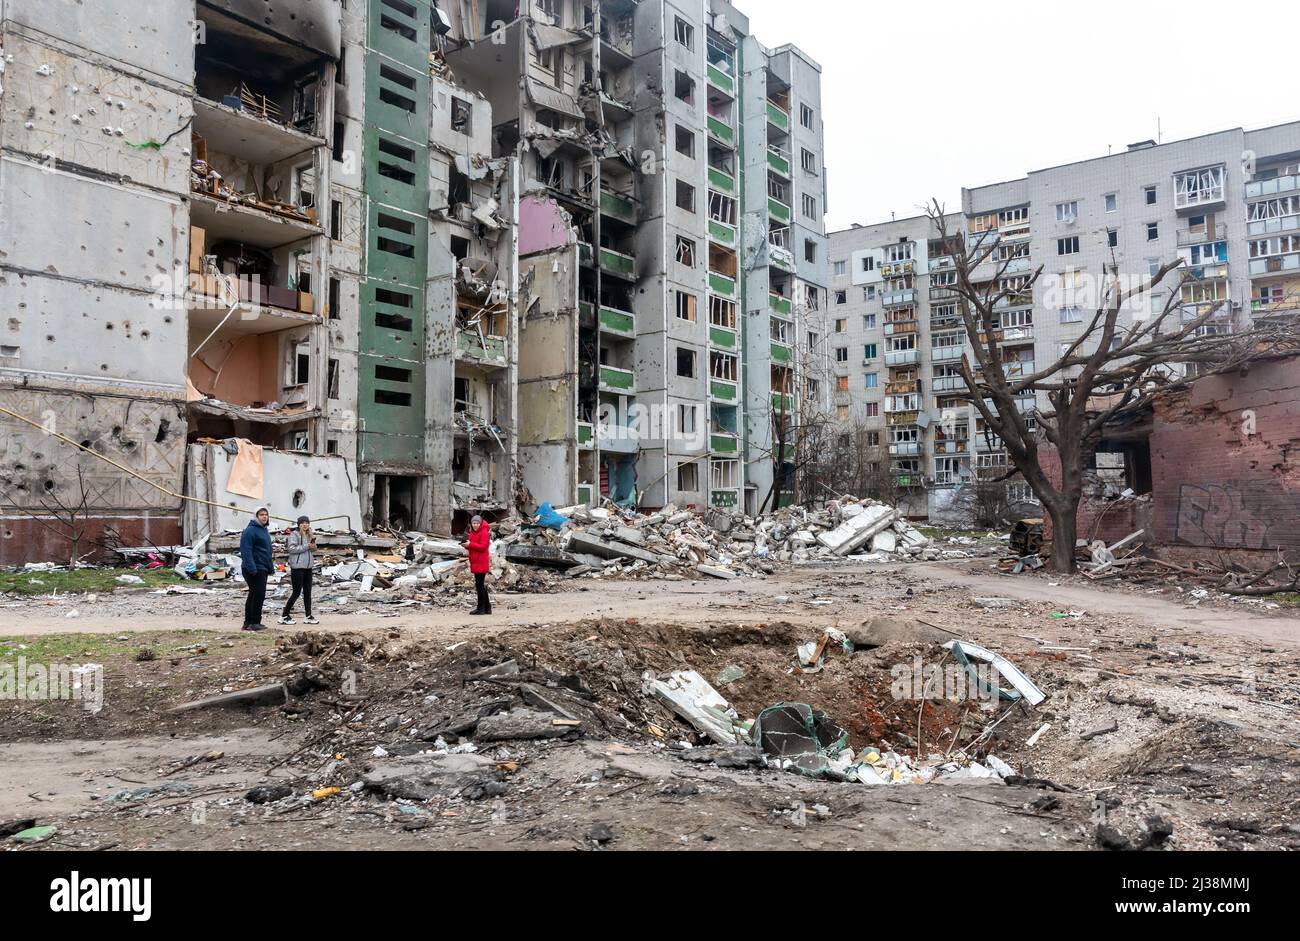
(50, 648)
(1289, 599)
(70, 581)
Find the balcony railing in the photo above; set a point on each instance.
(721, 80)
(896, 329)
(1201, 235)
(1273, 226)
(722, 181)
(778, 116)
(899, 298)
(722, 233)
(722, 336)
(614, 379)
(778, 210)
(902, 357)
(781, 353)
(721, 131)
(618, 206)
(1274, 264)
(946, 354)
(1279, 184)
(723, 390)
(778, 161)
(782, 403)
(724, 444)
(780, 256)
(722, 284)
(779, 304)
(617, 263)
(905, 449)
(618, 322)
(948, 384)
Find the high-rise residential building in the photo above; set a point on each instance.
(432, 257)
(1225, 203)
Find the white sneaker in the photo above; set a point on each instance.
(287, 621)
(310, 620)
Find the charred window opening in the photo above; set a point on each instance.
(333, 382)
(396, 162)
(461, 116)
(389, 76)
(390, 319)
(388, 240)
(458, 191)
(335, 313)
(684, 87)
(336, 219)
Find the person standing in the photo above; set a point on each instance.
(478, 541)
(301, 544)
(256, 565)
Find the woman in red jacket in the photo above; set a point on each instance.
(480, 534)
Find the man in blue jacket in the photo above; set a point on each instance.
(255, 558)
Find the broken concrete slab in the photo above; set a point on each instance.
(715, 571)
(856, 530)
(523, 725)
(422, 777)
(880, 631)
(576, 541)
(276, 694)
(690, 696)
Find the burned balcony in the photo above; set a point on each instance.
(480, 319)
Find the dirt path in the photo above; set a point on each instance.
(846, 594)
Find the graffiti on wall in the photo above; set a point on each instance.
(1251, 514)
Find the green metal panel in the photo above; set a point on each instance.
(617, 263)
(725, 499)
(779, 304)
(723, 444)
(395, 169)
(721, 131)
(726, 391)
(618, 206)
(721, 336)
(778, 210)
(399, 36)
(778, 163)
(780, 353)
(721, 80)
(778, 117)
(621, 380)
(721, 284)
(617, 321)
(722, 182)
(491, 351)
(722, 233)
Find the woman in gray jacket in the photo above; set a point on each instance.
(301, 543)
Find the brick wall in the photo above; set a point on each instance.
(1225, 462)
(1225, 467)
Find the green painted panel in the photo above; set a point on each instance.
(778, 210)
(726, 391)
(618, 206)
(617, 321)
(617, 263)
(621, 380)
(396, 170)
(722, 233)
(491, 350)
(779, 304)
(780, 353)
(778, 117)
(721, 80)
(725, 499)
(721, 336)
(724, 444)
(399, 36)
(722, 182)
(721, 131)
(721, 284)
(778, 163)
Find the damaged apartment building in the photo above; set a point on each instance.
(393, 262)
(1227, 204)
(671, 250)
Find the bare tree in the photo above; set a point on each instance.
(71, 520)
(1112, 370)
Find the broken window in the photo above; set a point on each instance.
(810, 251)
(809, 160)
(337, 149)
(398, 19)
(685, 196)
(685, 306)
(722, 208)
(396, 161)
(333, 380)
(334, 313)
(722, 312)
(724, 475)
(806, 116)
(685, 363)
(336, 219)
(685, 141)
(397, 88)
(688, 477)
(390, 228)
(461, 116)
(686, 415)
(809, 206)
(301, 366)
(685, 251)
(684, 87)
(722, 366)
(683, 32)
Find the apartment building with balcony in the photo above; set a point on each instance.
(1223, 203)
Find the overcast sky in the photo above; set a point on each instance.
(908, 114)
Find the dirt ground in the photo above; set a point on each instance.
(1204, 697)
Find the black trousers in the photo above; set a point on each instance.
(480, 585)
(256, 597)
(300, 579)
